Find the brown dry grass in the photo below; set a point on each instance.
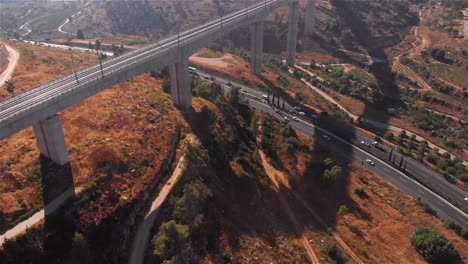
(39, 65)
(393, 216)
(122, 120)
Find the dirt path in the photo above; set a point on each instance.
(13, 58)
(144, 229)
(37, 217)
(279, 179)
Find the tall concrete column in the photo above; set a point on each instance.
(256, 48)
(180, 84)
(49, 137)
(309, 19)
(293, 23)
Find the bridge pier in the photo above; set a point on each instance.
(180, 83)
(293, 21)
(256, 48)
(309, 19)
(49, 137)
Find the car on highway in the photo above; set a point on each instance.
(295, 118)
(264, 96)
(286, 119)
(378, 145)
(314, 116)
(229, 83)
(365, 143)
(370, 162)
(297, 108)
(326, 137)
(212, 78)
(302, 113)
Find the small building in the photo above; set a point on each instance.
(3, 57)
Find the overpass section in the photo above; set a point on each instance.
(39, 107)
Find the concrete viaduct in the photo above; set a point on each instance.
(39, 107)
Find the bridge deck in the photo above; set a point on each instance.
(26, 109)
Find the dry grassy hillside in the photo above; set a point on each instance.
(128, 127)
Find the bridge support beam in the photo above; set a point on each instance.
(293, 21)
(256, 48)
(180, 84)
(49, 137)
(309, 19)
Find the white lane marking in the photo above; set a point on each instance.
(403, 180)
(419, 190)
(440, 204)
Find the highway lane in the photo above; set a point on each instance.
(428, 176)
(444, 209)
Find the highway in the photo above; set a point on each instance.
(26, 104)
(443, 208)
(360, 153)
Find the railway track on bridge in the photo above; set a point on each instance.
(43, 93)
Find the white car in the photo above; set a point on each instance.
(295, 118)
(286, 119)
(370, 162)
(264, 96)
(365, 143)
(302, 113)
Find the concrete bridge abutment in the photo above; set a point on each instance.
(50, 139)
(309, 19)
(180, 84)
(293, 23)
(256, 48)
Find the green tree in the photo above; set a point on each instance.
(10, 87)
(331, 175)
(434, 246)
(80, 34)
(172, 243)
(188, 208)
(166, 85)
(97, 44)
(433, 156)
(388, 136)
(234, 96)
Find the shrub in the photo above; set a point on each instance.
(331, 175)
(388, 136)
(343, 210)
(434, 246)
(172, 242)
(360, 192)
